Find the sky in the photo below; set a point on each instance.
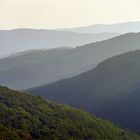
(66, 13)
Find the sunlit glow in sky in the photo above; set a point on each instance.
(66, 13)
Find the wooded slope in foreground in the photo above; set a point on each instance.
(28, 117)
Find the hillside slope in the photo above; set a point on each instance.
(39, 67)
(17, 40)
(27, 117)
(111, 90)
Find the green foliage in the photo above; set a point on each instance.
(25, 117)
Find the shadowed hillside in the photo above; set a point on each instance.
(111, 90)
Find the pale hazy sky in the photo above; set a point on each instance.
(65, 13)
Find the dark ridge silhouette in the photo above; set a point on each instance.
(111, 90)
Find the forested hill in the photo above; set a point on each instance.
(25, 117)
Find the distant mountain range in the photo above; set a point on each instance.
(99, 28)
(39, 67)
(111, 90)
(18, 40)
(25, 117)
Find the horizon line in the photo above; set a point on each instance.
(74, 27)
